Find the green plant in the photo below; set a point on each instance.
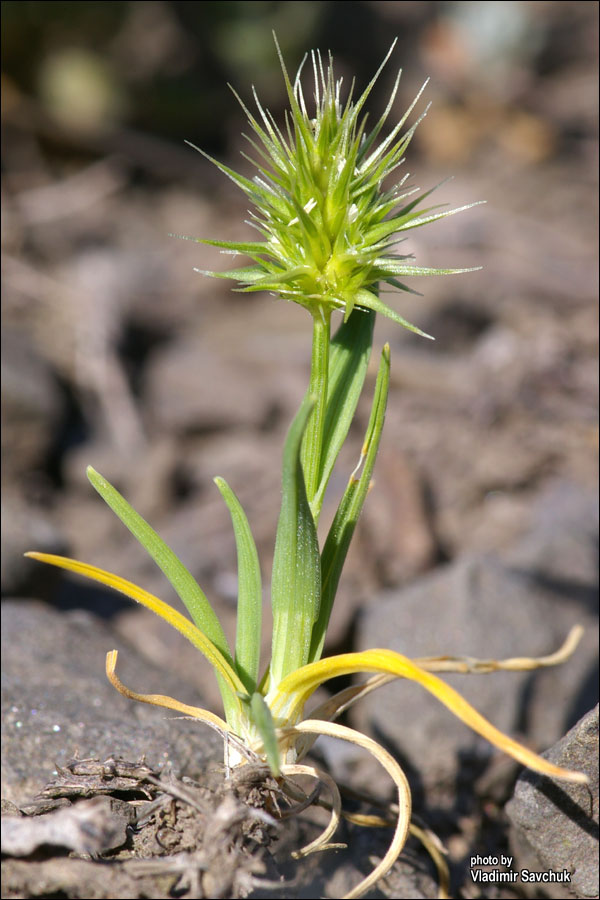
(328, 220)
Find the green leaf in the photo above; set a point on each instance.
(405, 220)
(249, 187)
(185, 585)
(296, 581)
(248, 274)
(249, 248)
(401, 287)
(312, 442)
(406, 270)
(349, 354)
(424, 220)
(263, 720)
(371, 301)
(249, 608)
(271, 279)
(351, 504)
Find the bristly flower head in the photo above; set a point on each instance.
(326, 218)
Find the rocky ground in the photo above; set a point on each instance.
(479, 536)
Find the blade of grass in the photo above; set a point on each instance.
(190, 631)
(349, 355)
(369, 300)
(300, 685)
(185, 585)
(312, 442)
(161, 700)
(346, 517)
(262, 718)
(249, 607)
(296, 581)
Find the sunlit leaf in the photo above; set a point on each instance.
(349, 509)
(296, 582)
(301, 684)
(249, 606)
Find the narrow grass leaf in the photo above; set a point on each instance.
(349, 509)
(303, 682)
(249, 607)
(349, 355)
(249, 248)
(162, 700)
(296, 582)
(262, 718)
(247, 274)
(370, 301)
(406, 270)
(185, 585)
(312, 441)
(190, 631)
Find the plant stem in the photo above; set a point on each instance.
(313, 438)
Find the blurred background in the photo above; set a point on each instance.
(116, 353)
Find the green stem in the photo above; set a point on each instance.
(313, 438)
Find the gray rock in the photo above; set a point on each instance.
(555, 825)
(562, 543)
(31, 405)
(56, 700)
(191, 387)
(28, 526)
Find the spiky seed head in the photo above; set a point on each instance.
(322, 200)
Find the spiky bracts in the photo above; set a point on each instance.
(325, 203)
